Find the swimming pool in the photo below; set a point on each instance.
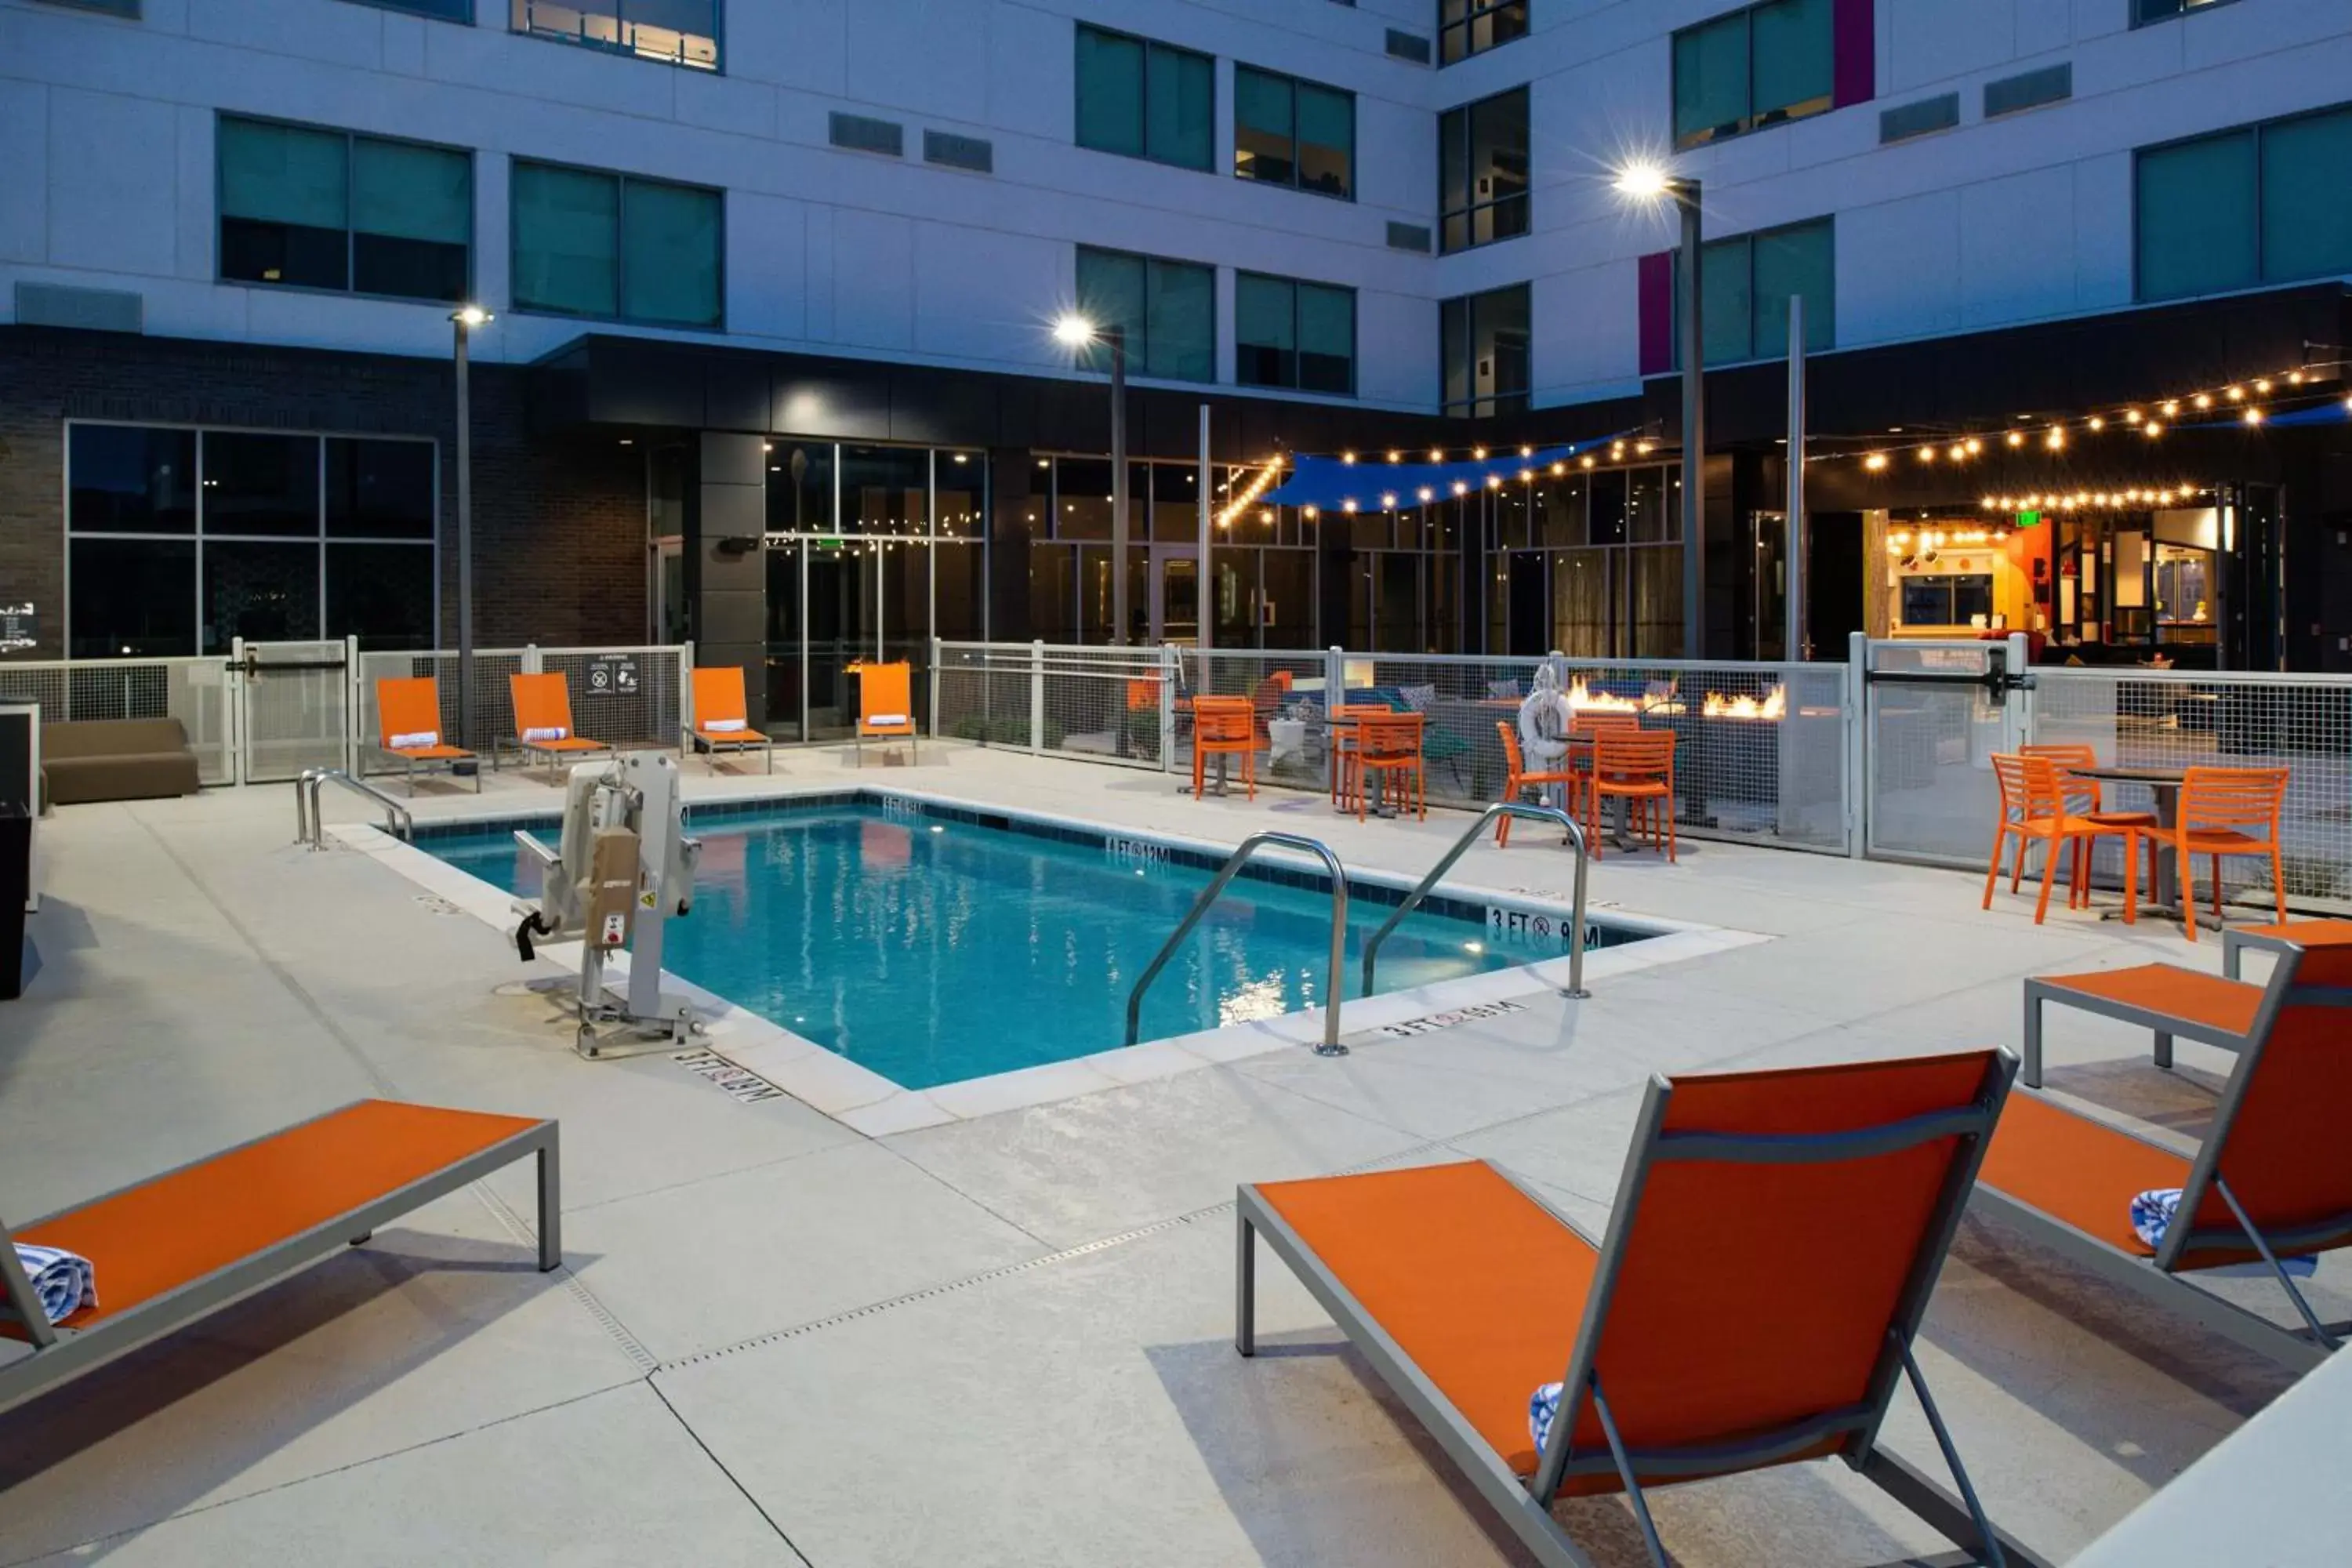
(933, 944)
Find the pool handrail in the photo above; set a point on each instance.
(1330, 1046)
(1461, 846)
(310, 823)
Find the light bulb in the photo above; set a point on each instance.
(2055, 440)
(1346, 456)
(2098, 422)
(2017, 437)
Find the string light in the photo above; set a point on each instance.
(2056, 439)
(2263, 386)
(2254, 415)
(1461, 487)
(2017, 437)
(1558, 469)
(1876, 462)
(1494, 481)
(2152, 430)
(1974, 445)
(1387, 500)
(1587, 459)
(2234, 393)
(1437, 455)
(1478, 453)
(1250, 492)
(2098, 422)
(1396, 457)
(1526, 451)
(2204, 400)
(2131, 415)
(1960, 451)
(1427, 495)
(1927, 454)
(1348, 456)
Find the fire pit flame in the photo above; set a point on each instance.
(1771, 706)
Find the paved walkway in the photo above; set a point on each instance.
(1000, 1341)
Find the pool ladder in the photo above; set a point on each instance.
(1461, 846)
(1330, 1046)
(310, 823)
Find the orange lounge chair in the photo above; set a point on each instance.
(542, 716)
(2269, 1181)
(176, 1248)
(720, 716)
(1767, 1264)
(886, 706)
(408, 726)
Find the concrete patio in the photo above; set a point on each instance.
(1005, 1340)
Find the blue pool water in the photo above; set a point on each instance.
(933, 950)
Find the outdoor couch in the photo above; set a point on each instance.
(116, 759)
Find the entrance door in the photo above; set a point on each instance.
(1769, 603)
(668, 599)
(1175, 596)
(1530, 602)
(843, 617)
(294, 696)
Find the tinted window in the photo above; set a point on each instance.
(130, 480)
(260, 484)
(133, 598)
(379, 489)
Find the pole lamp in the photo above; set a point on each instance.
(1076, 331)
(1651, 183)
(464, 320)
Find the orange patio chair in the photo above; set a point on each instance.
(175, 1249)
(1635, 765)
(1389, 745)
(1345, 737)
(1753, 1303)
(1223, 726)
(408, 726)
(2083, 796)
(2035, 809)
(542, 716)
(1517, 781)
(2217, 805)
(721, 722)
(2269, 1181)
(885, 707)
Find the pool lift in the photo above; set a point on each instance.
(624, 870)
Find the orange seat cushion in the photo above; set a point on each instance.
(2207, 999)
(731, 737)
(1479, 1285)
(568, 743)
(177, 1229)
(2077, 1170)
(2305, 933)
(430, 753)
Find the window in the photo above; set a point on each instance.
(324, 209)
(1168, 310)
(1485, 343)
(1293, 132)
(1145, 100)
(179, 541)
(444, 10)
(676, 32)
(1466, 27)
(1753, 68)
(1745, 285)
(591, 244)
(2146, 11)
(1288, 333)
(1482, 170)
(2262, 205)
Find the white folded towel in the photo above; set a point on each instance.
(885, 718)
(416, 740)
(725, 726)
(547, 732)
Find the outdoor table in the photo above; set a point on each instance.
(2164, 784)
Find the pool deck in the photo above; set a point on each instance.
(1004, 1338)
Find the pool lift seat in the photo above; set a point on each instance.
(624, 870)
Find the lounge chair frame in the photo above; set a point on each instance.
(61, 1354)
(1524, 1505)
(430, 764)
(2158, 1279)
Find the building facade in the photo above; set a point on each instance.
(774, 282)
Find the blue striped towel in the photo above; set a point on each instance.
(1542, 1406)
(65, 1283)
(2152, 1214)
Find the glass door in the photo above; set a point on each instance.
(786, 656)
(1175, 596)
(670, 592)
(842, 614)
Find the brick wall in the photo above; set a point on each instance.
(558, 521)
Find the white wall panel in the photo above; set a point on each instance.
(113, 183)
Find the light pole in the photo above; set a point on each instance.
(1076, 331)
(463, 321)
(1651, 183)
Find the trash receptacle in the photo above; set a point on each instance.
(15, 889)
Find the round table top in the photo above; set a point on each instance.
(2155, 778)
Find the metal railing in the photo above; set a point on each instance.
(1217, 884)
(1461, 847)
(310, 821)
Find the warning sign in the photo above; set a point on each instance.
(612, 675)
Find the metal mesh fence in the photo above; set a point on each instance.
(493, 718)
(625, 696)
(195, 691)
(2173, 720)
(1930, 749)
(1104, 704)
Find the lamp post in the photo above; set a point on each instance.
(1076, 331)
(464, 320)
(1651, 182)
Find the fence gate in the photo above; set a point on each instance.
(293, 707)
(1933, 715)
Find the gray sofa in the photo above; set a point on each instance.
(116, 759)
